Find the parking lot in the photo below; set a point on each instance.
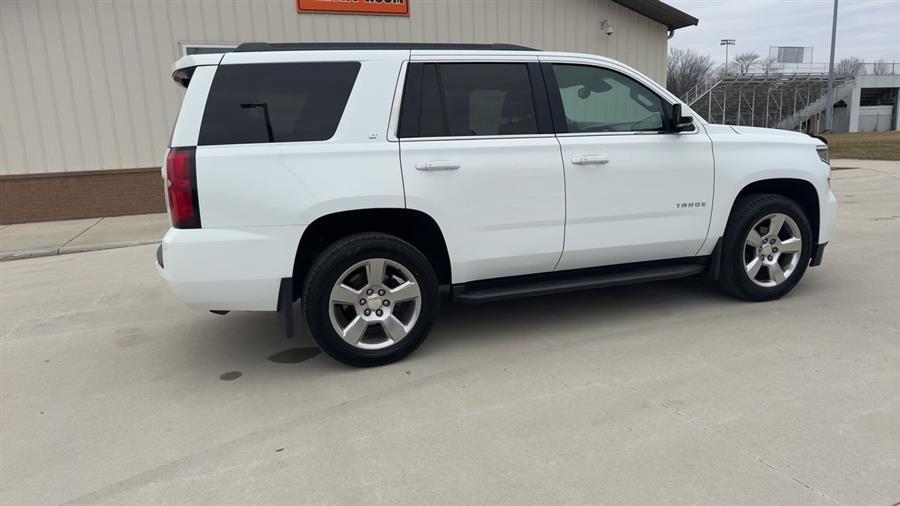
(113, 392)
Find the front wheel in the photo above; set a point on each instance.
(370, 299)
(766, 247)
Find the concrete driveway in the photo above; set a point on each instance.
(114, 393)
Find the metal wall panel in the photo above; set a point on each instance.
(85, 84)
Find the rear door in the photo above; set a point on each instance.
(479, 156)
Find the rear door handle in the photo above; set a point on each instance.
(437, 165)
(590, 160)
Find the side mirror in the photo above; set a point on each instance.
(681, 123)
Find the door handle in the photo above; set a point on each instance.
(437, 165)
(590, 160)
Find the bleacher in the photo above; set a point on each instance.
(774, 100)
(790, 97)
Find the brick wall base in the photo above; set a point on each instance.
(69, 195)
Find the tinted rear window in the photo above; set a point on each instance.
(276, 102)
(464, 99)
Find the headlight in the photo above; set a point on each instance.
(823, 153)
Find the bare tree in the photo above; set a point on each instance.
(880, 68)
(745, 62)
(769, 65)
(686, 69)
(849, 67)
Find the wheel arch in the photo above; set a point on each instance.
(414, 227)
(801, 191)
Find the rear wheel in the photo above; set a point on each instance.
(370, 299)
(766, 247)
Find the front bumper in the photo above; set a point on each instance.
(228, 269)
(827, 217)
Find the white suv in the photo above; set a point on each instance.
(360, 178)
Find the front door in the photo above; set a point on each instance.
(634, 191)
(479, 156)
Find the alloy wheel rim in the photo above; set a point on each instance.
(374, 304)
(772, 250)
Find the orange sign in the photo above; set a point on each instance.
(383, 7)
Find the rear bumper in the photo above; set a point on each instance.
(228, 269)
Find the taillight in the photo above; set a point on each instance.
(181, 176)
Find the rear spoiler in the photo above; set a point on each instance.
(820, 137)
(183, 69)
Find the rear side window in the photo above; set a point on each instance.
(471, 99)
(276, 102)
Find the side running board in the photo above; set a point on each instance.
(570, 281)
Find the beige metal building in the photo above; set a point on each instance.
(87, 102)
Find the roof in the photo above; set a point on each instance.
(656, 10)
(662, 12)
(332, 46)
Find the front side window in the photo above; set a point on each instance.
(276, 102)
(471, 99)
(600, 100)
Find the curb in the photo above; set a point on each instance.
(65, 250)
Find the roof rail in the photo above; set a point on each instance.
(248, 47)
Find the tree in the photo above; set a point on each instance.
(880, 68)
(769, 65)
(849, 67)
(745, 61)
(686, 69)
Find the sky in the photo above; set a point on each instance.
(868, 29)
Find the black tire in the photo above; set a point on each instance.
(341, 256)
(747, 211)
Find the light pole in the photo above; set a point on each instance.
(726, 43)
(829, 102)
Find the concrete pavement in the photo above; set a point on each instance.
(876, 165)
(27, 240)
(114, 393)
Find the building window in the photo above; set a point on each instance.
(189, 48)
